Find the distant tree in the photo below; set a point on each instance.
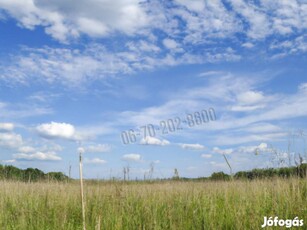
(220, 176)
(31, 174)
(10, 172)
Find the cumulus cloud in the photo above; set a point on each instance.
(26, 149)
(202, 20)
(153, 141)
(192, 146)
(70, 19)
(205, 20)
(6, 127)
(132, 157)
(57, 130)
(250, 97)
(248, 45)
(222, 151)
(40, 156)
(10, 140)
(170, 43)
(262, 147)
(249, 101)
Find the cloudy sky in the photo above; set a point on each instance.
(132, 83)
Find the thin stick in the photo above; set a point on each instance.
(228, 165)
(81, 189)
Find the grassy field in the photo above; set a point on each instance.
(158, 205)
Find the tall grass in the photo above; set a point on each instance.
(159, 205)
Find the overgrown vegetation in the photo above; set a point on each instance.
(9, 172)
(216, 203)
(235, 204)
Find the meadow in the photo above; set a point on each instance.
(235, 204)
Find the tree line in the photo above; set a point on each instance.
(284, 172)
(9, 172)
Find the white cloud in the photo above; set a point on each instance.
(153, 141)
(248, 45)
(262, 147)
(203, 23)
(79, 67)
(206, 155)
(222, 151)
(132, 157)
(70, 19)
(94, 161)
(286, 16)
(41, 156)
(211, 73)
(51, 147)
(250, 97)
(258, 21)
(196, 5)
(217, 92)
(221, 92)
(192, 146)
(57, 130)
(6, 127)
(69, 66)
(205, 20)
(142, 46)
(287, 47)
(26, 149)
(244, 108)
(170, 43)
(10, 140)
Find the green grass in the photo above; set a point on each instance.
(159, 205)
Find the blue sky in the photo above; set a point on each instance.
(80, 73)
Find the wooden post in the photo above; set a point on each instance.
(81, 190)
